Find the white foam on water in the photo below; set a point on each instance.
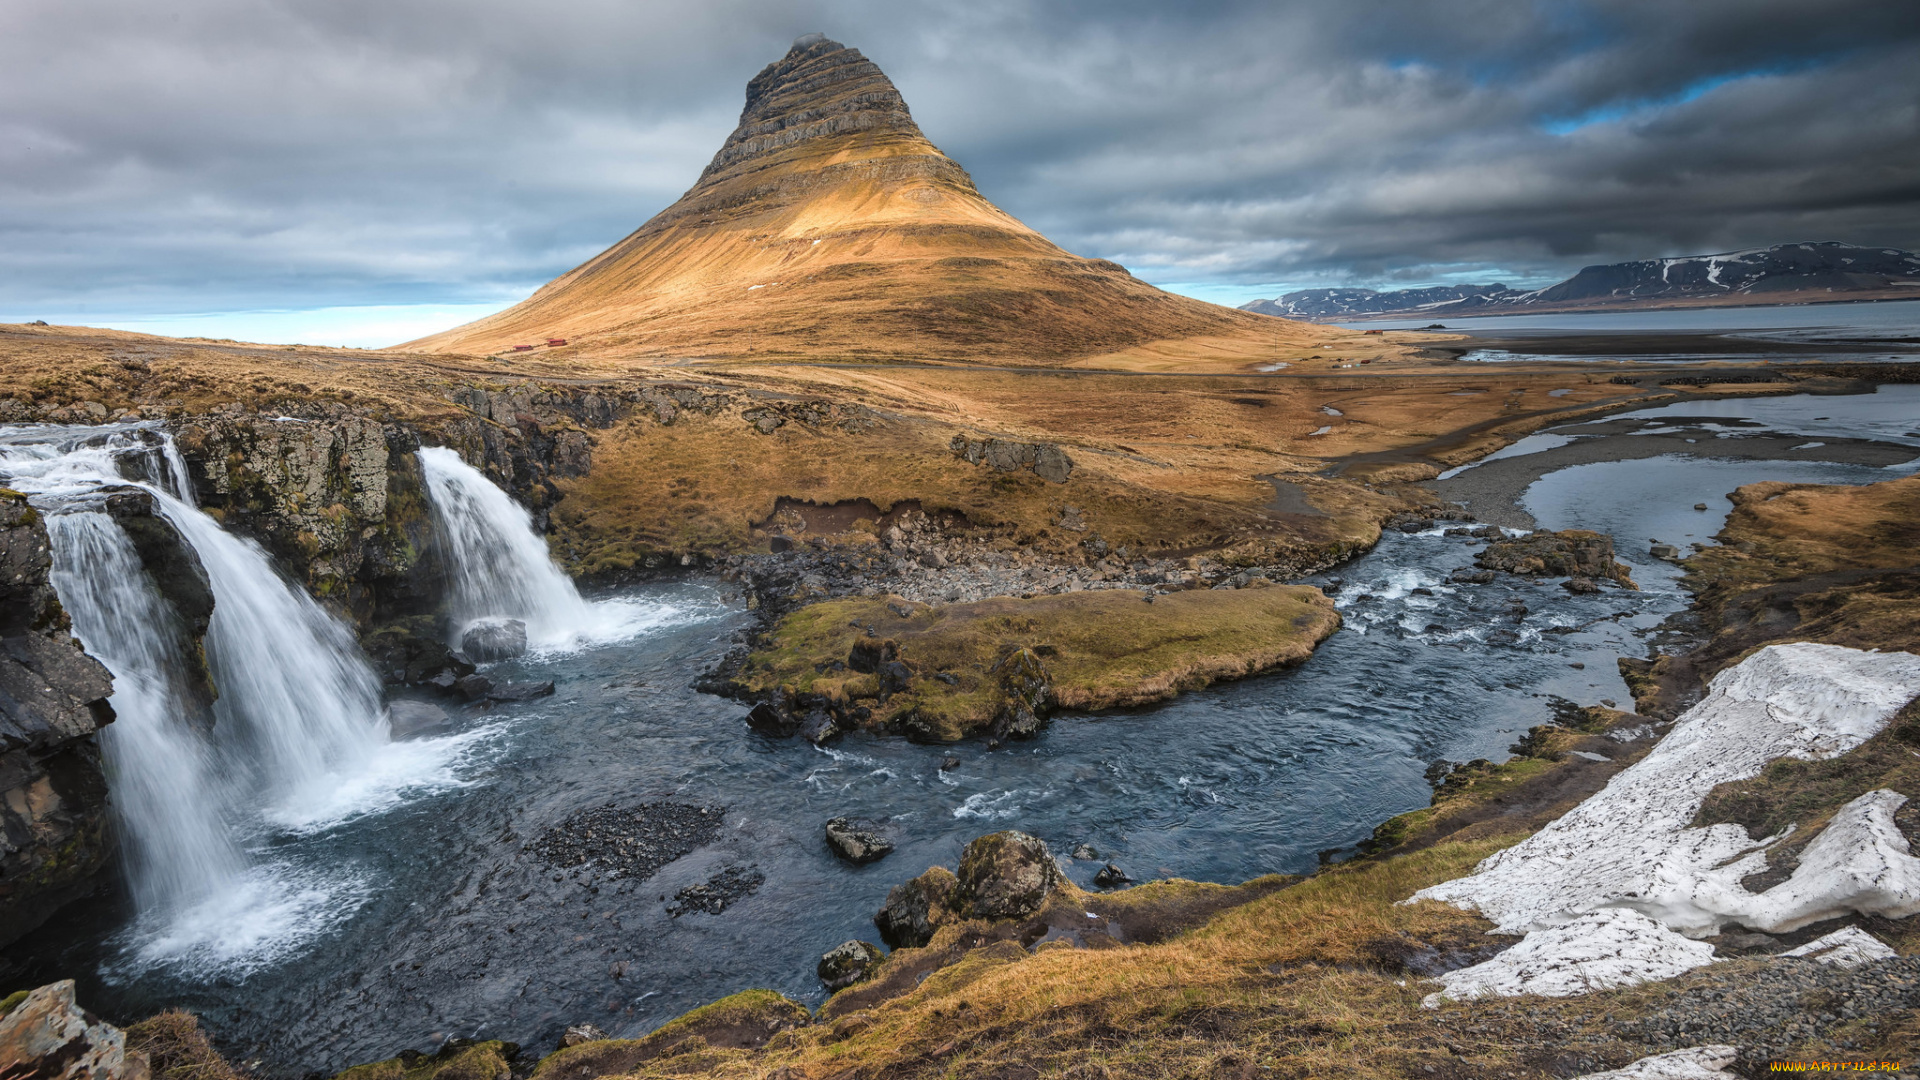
(997, 805)
(397, 773)
(271, 914)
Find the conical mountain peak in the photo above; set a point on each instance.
(819, 89)
(827, 225)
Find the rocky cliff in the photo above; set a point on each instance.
(54, 838)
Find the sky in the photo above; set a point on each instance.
(365, 171)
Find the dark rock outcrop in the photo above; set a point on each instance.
(856, 845)
(916, 909)
(1575, 553)
(494, 639)
(54, 842)
(1046, 460)
(413, 652)
(334, 494)
(1005, 875)
(417, 720)
(50, 1037)
(847, 963)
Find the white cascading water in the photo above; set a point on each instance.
(178, 847)
(293, 684)
(499, 567)
(300, 740)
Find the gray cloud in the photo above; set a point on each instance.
(219, 154)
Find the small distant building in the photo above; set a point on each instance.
(1373, 331)
(522, 348)
(555, 342)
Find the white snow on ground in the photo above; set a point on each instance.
(1628, 846)
(1847, 947)
(1693, 1063)
(1602, 949)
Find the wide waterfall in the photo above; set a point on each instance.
(499, 567)
(300, 736)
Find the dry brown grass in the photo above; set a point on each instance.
(1287, 985)
(178, 1049)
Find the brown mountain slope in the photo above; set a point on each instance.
(828, 227)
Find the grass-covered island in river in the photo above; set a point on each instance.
(837, 632)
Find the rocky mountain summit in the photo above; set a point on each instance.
(1783, 273)
(829, 225)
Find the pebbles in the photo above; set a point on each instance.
(1778, 1007)
(717, 892)
(633, 842)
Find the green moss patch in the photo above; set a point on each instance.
(965, 666)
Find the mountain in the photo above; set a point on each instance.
(1786, 273)
(1321, 303)
(828, 226)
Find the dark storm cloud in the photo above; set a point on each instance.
(216, 154)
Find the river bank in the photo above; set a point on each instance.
(462, 931)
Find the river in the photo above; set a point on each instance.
(441, 920)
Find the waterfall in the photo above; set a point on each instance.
(176, 842)
(299, 740)
(498, 566)
(294, 686)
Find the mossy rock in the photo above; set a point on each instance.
(916, 909)
(460, 1059)
(1005, 875)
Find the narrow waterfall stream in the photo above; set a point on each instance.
(499, 567)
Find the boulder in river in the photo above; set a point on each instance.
(494, 639)
(1005, 875)
(417, 719)
(47, 1036)
(1580, 586)
(915, 909)
(521, 691)
(770, 719)
(1572, 553)
(1111, 877)
(847, 963)
(856, 845)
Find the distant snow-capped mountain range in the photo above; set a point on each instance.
(1781, 274)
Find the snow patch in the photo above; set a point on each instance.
(1629, 845)
(1597, 951)
(1847, 947)
(1693, 1063)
